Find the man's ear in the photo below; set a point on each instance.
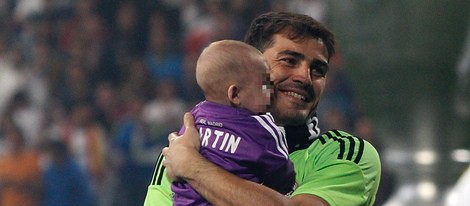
(233, 94)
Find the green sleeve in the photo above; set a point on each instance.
(159, 191)
(339, 168)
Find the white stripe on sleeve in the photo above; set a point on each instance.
(273, 134)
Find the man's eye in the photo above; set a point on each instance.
(289, 61)
(318, 71)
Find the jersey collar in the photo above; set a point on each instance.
(300, 137)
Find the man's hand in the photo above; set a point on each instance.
(182, 151)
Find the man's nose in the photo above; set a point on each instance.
(302, 74)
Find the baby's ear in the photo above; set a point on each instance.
(233, 94)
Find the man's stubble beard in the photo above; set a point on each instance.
(288, 113)
(286, 116)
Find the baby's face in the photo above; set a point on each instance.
(255, 95)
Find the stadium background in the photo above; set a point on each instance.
(118, 75)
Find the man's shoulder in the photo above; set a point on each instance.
(341, 145)
(338, 157)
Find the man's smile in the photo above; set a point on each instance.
(299, 93)
(295, 95)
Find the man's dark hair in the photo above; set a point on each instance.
(296, 26)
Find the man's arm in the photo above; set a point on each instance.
(219, 187)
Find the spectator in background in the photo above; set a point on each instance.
(138, 80)
(10, 75)
(243, 11)
(108, 106)
(162, 59)
(221, 22)
(23, 94)
(214, 23)
(72, 26)
(128, 24)
(27, 116)
(130, 147)
(88, 49)
(55, 120)
(207, 21)
(39, 78)
(86, 139)
(20, 174)
(75, 86)
(125, 41)
(25, 8)
(163, 113)
(64, 181)
(191, 91)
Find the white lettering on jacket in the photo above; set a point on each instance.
(220, 140)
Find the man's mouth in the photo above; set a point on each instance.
(295, 95)
(300, 93)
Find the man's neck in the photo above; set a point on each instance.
(301, 136)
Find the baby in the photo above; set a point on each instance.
(236, 133)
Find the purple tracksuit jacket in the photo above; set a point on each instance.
(248, 145)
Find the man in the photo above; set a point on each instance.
(332, 169)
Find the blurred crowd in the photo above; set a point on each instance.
(90, 89)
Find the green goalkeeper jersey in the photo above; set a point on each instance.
(159, 191)
(338, 167)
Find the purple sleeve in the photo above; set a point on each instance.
(278, 169)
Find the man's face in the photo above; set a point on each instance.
(298, 72)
